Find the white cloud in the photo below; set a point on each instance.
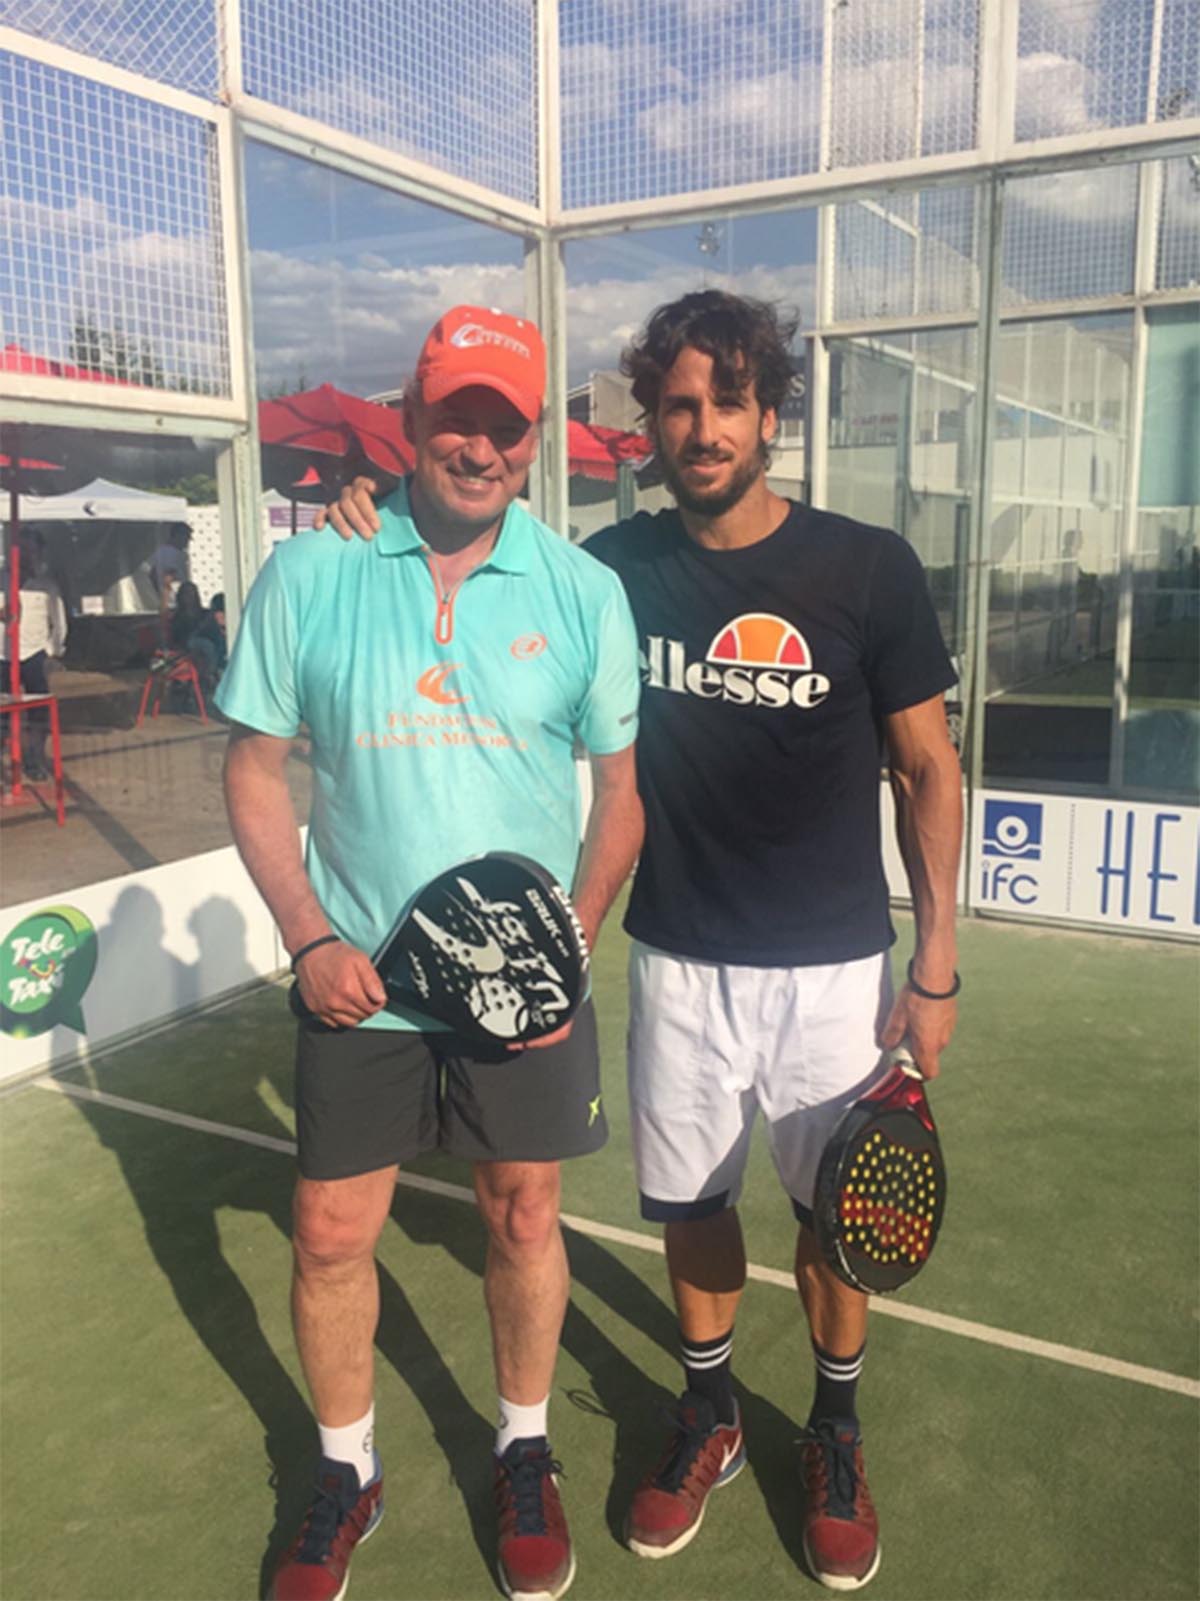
(78, 225)
(598, 79)
(1054, 95)
(732, 128)
(358, 323)
(603, 314)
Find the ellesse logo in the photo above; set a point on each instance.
(756, 659)
(756, 639)
(432, 684)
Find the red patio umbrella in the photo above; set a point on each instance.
(597, 452)
(14, 358)
(316, 427)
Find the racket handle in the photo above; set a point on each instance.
(902, 1058)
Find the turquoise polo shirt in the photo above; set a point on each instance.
(438, 732)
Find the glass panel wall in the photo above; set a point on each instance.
(614, 283)
(121, 595)
(1062, 424)
(347, 278)
(1162, 736)
(900, 446)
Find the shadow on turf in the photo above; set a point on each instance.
(622, 1397)
(179, 1190)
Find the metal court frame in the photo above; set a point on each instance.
(997, 160)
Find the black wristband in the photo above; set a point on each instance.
(934, 995)
(325, 939)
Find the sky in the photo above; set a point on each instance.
(107, 204)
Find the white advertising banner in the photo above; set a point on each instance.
(92, 965)
(1120, 864)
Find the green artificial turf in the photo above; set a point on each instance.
(155, 1431)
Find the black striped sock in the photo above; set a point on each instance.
(837, 1382)
(707, 1365)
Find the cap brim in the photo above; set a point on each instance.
(437, 388)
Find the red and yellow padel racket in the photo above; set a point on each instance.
(881, 1184)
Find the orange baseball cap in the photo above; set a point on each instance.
(477, 345)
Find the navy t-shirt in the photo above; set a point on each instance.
(766, 673)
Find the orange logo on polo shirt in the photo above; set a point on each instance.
(527, 645)
(432, 684)
(755, 659)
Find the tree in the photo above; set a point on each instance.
(116, 353)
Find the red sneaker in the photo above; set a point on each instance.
(669, 1505)
(317, 1567)
(535, 1557)
(841, 1530)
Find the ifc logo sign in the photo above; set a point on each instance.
(1013, 829)
(46, 965)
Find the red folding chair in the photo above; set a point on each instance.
(169, 667)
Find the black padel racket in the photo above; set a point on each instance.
(881, 1184)
(492, 948)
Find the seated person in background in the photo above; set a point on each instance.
(194, 629)
(217, 607)
(169, 563)
(42, 634)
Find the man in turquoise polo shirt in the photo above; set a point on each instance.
(444, 672)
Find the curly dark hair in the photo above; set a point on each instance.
(747, 339)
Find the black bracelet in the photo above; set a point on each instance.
(325, 939)
(934, 995)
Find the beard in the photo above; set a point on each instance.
(711, 502)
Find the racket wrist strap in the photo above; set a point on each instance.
(325, 939)
(932, 995)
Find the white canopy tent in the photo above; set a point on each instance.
(99, 539)
(103, 501)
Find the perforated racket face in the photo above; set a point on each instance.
(490, 947)
(880, 1195)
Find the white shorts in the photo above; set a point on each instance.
(710, 1045)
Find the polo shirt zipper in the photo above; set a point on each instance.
(443, 624)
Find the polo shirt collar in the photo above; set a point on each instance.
(398, 534)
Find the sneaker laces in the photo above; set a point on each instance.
(685, 1447)
(330, 1507)
(525, 1479)
(837, 1446)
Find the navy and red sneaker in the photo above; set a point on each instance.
(841, 1530)
(535, 1556)
(342, 1515)
(702, 1454)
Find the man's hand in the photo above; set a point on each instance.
(353, 512)
(925, 1026)
(556, 1038)
(339, 985)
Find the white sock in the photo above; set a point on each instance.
(520, 1423)
(353, 1442)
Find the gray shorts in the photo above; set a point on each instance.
(711, 1045)
(368, 1098)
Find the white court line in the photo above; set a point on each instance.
(1047, 1349)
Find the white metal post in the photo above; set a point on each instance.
(545, 296)
(996, 80)
(975, 660)
(816, 386)
(1149, 202)
(549, 121)
(239, 476)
